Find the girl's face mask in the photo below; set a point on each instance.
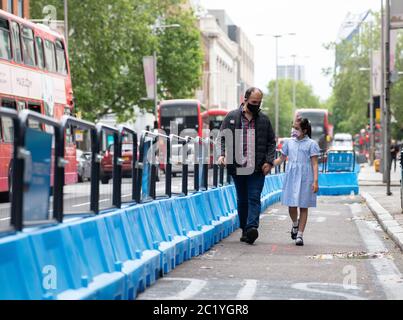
(295, 133)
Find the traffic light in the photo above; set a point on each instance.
(377, 105)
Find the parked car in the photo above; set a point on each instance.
(83, 165)
(342, 142)
(107, 162)
(177, 158)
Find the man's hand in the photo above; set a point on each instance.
(315, 187)
(221, 161)
(266, 169)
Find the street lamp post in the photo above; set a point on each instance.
(277, 93)
(277, 111)
(66, 24)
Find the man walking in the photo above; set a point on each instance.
(248, 150)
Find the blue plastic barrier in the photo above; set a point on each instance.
(202, 209)
(167, 249)
(341, 162)
(18, 275)
(143, 244)
(189, 229)
(173, 230)
(100, 270)
(334, 184)
(195, 216)
(118, 254)
(123, 244)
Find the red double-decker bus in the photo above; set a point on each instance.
(213, 118)
(34, 75)
(182, 115)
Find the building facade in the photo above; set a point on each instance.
(17, 7)
(229, 61)
(291, 72)
(220, 69)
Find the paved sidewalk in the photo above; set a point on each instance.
(387, 209)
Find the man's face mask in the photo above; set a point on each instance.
(254, 108)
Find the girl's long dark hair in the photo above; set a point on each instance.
(306, 125)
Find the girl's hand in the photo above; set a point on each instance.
(315, 187)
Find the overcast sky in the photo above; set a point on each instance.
(315, 23)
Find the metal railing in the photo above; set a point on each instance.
(116, 180)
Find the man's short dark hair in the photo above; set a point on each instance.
(251, 90)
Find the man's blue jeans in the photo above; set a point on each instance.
(248, 190)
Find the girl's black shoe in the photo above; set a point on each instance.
(294, 232)
(299, 241)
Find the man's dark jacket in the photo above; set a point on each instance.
(265, 144)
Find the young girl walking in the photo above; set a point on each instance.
(301, 179)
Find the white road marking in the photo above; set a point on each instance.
(87, 203)
(306, 287)
(5, 219)
(190, 291)
(387, 273)
(248, 290)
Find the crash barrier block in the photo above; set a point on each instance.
(19, 277)
(340, 183)
(202, 207)
(195, 218)
(167, 248)
(124, 249)
(189, 228)
(272, 190)
(116, 255)
(101, 271)
(173, 230)
(340, 162)
(218, 202)
(139, 228)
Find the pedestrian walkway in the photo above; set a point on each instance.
(346, 256)
(387, 209)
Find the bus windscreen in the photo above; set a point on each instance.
(183, 119)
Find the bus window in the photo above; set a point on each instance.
(33, 123)
(60, 58)
(16, 42)
(40, 53)
(7, 129)
(50, 59)
(28, 46)
(5, 43)
(6, 103)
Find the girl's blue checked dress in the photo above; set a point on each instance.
(297, 186)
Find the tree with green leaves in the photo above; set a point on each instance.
(350, 94)
(305, 98)
(107, 43)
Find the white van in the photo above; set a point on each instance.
(342, 142)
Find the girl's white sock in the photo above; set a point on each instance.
(295, 224)
(300, 234)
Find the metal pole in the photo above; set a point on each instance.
(371, 100)
(66, 24)
(383, 158)
(155, 88)
(277, 93)
(387, 101)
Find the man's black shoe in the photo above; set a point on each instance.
(251, 235)
(243, 237)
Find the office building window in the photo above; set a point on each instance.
(10, 5)
(21, 8)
